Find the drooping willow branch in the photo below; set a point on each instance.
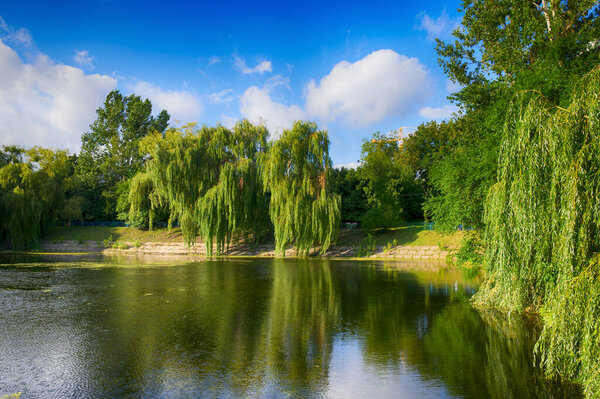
(303, 210)
(543, 227)
(209, 176)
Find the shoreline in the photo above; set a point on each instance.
(399, 252)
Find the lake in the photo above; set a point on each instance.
(97, 327)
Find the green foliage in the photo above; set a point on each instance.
(110, 150)
(390, 244)
(295, 171)
(499, 50)
(217, 182)
(143, 201)
(119, 245)
(108, 242)
(392, 192)
(35, 186)
(431, 142)
(22, 215)
(543, 225)
(347, 184)
(237, 203)
(73, 209)
(11, 154)
(367, 246)
(545, 45)
(123, 203)
(470, 253)
(209, 178)
(461, 172)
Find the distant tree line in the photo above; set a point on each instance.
(216, 183)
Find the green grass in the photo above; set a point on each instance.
(122, 234)
(402, 235)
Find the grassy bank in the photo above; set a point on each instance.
(101, 233)
(401, 235)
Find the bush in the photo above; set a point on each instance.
(381, 218)
(119, 245)
(367, 246)
(470, 254)
(108, 242)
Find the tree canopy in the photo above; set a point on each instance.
(499, 50)
(37, 187)
(543, 44)
(209, 177)
(221, 182)
(295, 172)
(393, 194)
(543, 226)
(110, 150)
(346, 183)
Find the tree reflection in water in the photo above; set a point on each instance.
(271, 327)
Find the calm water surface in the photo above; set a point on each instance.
(83, 328)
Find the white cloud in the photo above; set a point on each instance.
(256, 105)
(440, 27)
(349, 165)
(260, 68)
(20, 36)
(182, 105)
(228, 121)
(277, 80)
(214, 60)
(223, 96)
(47, 104)
(440, 113)
(382, 84)
(84, 59)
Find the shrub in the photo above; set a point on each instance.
(367, 246)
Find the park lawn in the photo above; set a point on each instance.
(101, 233)
(403, 235)
(416, 236)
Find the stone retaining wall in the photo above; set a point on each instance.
(178, 248)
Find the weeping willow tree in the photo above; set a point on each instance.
(20, 215)
(304, 211)
(543, 221)
(144, 202)
(236, 203)
(36, 189)
(210, 179)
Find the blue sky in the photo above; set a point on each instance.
(353, 67)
